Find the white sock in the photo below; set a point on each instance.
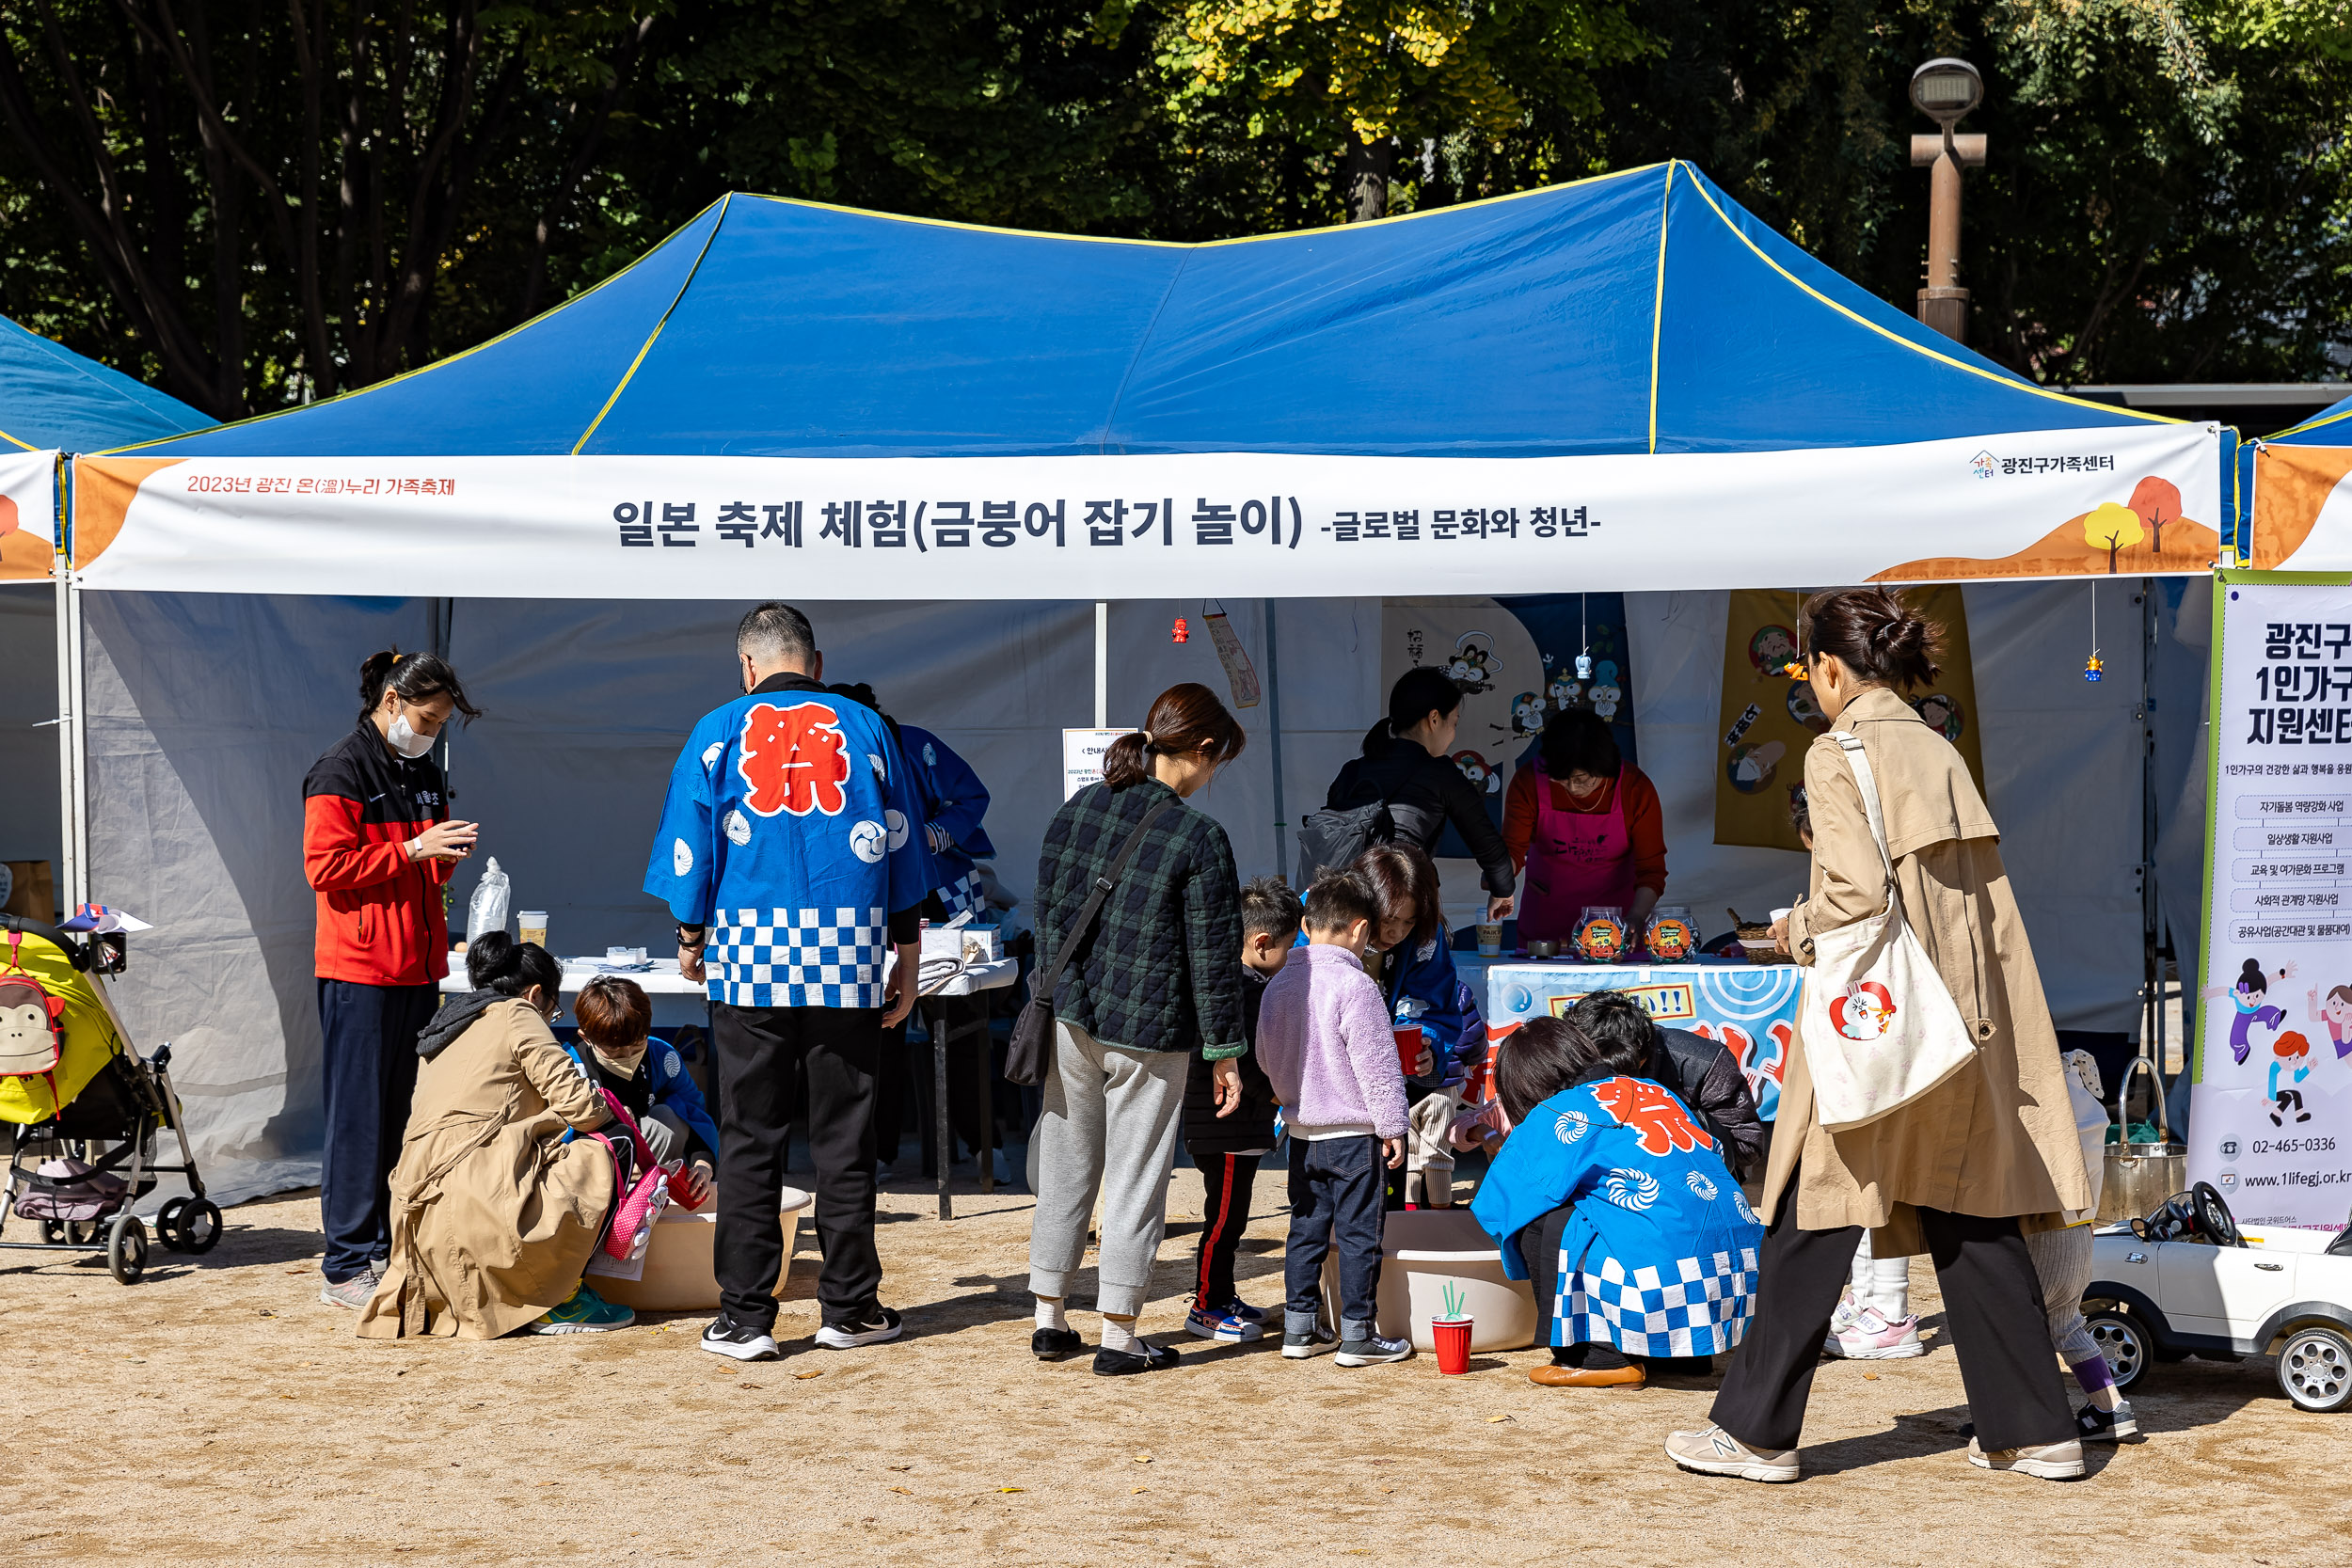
(1119, 1334)
(1049, 1313)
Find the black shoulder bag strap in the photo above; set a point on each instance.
(1031, 1050)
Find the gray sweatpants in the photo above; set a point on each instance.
(2062, 1260)
(1110, 1123)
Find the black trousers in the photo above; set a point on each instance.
(1335, 1206)
(755, 1054)
(1539, 1244)
(369, 1067)
(1226, 1180)
(1992, 1310)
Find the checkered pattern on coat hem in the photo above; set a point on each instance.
(797, 958)
(962, 894)
(1704, 1310)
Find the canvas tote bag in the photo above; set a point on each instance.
(1880, 1029)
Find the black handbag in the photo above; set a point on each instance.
(1031, 1055)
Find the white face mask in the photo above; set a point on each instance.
(408, 742)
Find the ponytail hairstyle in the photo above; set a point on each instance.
(1875, 633)
(413, 678)
(1418, 692)
(498, 962)
(1186, 718)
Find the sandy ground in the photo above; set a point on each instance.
(218, 1412)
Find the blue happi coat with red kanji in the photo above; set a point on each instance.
(1658, 1255)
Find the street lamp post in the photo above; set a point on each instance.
(1945, 90)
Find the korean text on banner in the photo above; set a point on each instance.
(2271, 1121)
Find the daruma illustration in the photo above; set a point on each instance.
(1864, 1013)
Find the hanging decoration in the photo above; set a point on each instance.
(2094, 669)
(1181, 635)
(1240, 674)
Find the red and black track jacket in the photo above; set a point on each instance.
(380, 916)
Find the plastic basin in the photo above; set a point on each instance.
(1425, 1250)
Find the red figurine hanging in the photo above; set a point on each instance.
(1181, 635)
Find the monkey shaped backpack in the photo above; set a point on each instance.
(32, 1027)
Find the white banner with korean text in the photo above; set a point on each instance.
(2045, 504)
(2270, 1113)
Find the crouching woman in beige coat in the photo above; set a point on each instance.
(494, 1215)
(1954, 1172)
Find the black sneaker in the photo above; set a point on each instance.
(1052, 1344)
(881, 1324)
(1297, 1347)
(1373, 1349)
(2094, 1425)
(738, 1341)
(1126, 1363)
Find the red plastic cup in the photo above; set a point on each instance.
(1409, 1048)
(1453, 1346)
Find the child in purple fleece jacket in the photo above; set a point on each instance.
(1329, 1049)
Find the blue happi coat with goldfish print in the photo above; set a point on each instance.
(1659, 1256)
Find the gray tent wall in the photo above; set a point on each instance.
(206, 711)
(31, 824)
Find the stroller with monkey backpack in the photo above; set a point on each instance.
(80, 1108)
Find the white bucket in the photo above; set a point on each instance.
(1425, 1250)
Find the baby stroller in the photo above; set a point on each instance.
(80, 1108)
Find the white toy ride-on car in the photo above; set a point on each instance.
(2187, 1280)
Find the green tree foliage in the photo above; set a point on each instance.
(250, 207)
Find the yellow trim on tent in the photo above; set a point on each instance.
(684, 284)
(2009, 381)
(2312, 423)
(25, 446)
(1658, 307)
(421, 370)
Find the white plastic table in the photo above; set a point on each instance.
(677, 1001)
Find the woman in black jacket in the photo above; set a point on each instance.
(1408, 763)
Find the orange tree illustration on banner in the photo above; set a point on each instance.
(2113, 527)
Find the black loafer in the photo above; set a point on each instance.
(1121, 1363)
(1052, 1344)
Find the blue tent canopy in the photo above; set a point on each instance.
(2326, 428)
(1642, 311)
(52, 398)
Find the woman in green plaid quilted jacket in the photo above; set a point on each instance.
(1154, 983)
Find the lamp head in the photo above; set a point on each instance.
(1946, 89)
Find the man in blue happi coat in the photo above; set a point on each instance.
(789, 853)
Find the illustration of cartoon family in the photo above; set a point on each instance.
(2291, 1053)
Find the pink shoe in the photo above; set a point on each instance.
(1868, 1337)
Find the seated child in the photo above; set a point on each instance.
(1613, 1199)
(646, 1076)
(1324, 1038)
(1227, 1148)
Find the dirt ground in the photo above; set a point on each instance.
(218, 1412)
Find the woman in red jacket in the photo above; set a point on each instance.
(378, 847)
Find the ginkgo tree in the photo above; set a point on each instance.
(2112, 527)
(1363, 76)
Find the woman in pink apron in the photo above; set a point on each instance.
(1586, 826)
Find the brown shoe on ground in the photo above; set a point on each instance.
(1589, 1377)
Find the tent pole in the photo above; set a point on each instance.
(1274, 723)
(69, 785)
(74, 740)
(1101, 664)
(2152, 1042)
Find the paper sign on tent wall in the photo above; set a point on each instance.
(1768, 719)
(1082, 757)
(2270, 1113)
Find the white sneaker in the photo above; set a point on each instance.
(2044, 1462)
(1868, 1337)
(355, 1291)
(1712, 1451)
(851, 1336)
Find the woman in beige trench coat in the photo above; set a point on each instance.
(1954, 1172)
(493, 1215)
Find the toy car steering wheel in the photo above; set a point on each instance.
(2214, 1217)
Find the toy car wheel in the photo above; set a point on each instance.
(2125, 1341)
(2315, 1369)
(126, 1248)
(168, 1224)
(199, 1226)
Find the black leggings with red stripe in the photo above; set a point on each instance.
(1224, 1216)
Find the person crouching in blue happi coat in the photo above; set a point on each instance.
(1612, 1200)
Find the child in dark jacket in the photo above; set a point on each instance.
(1227, 1149)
